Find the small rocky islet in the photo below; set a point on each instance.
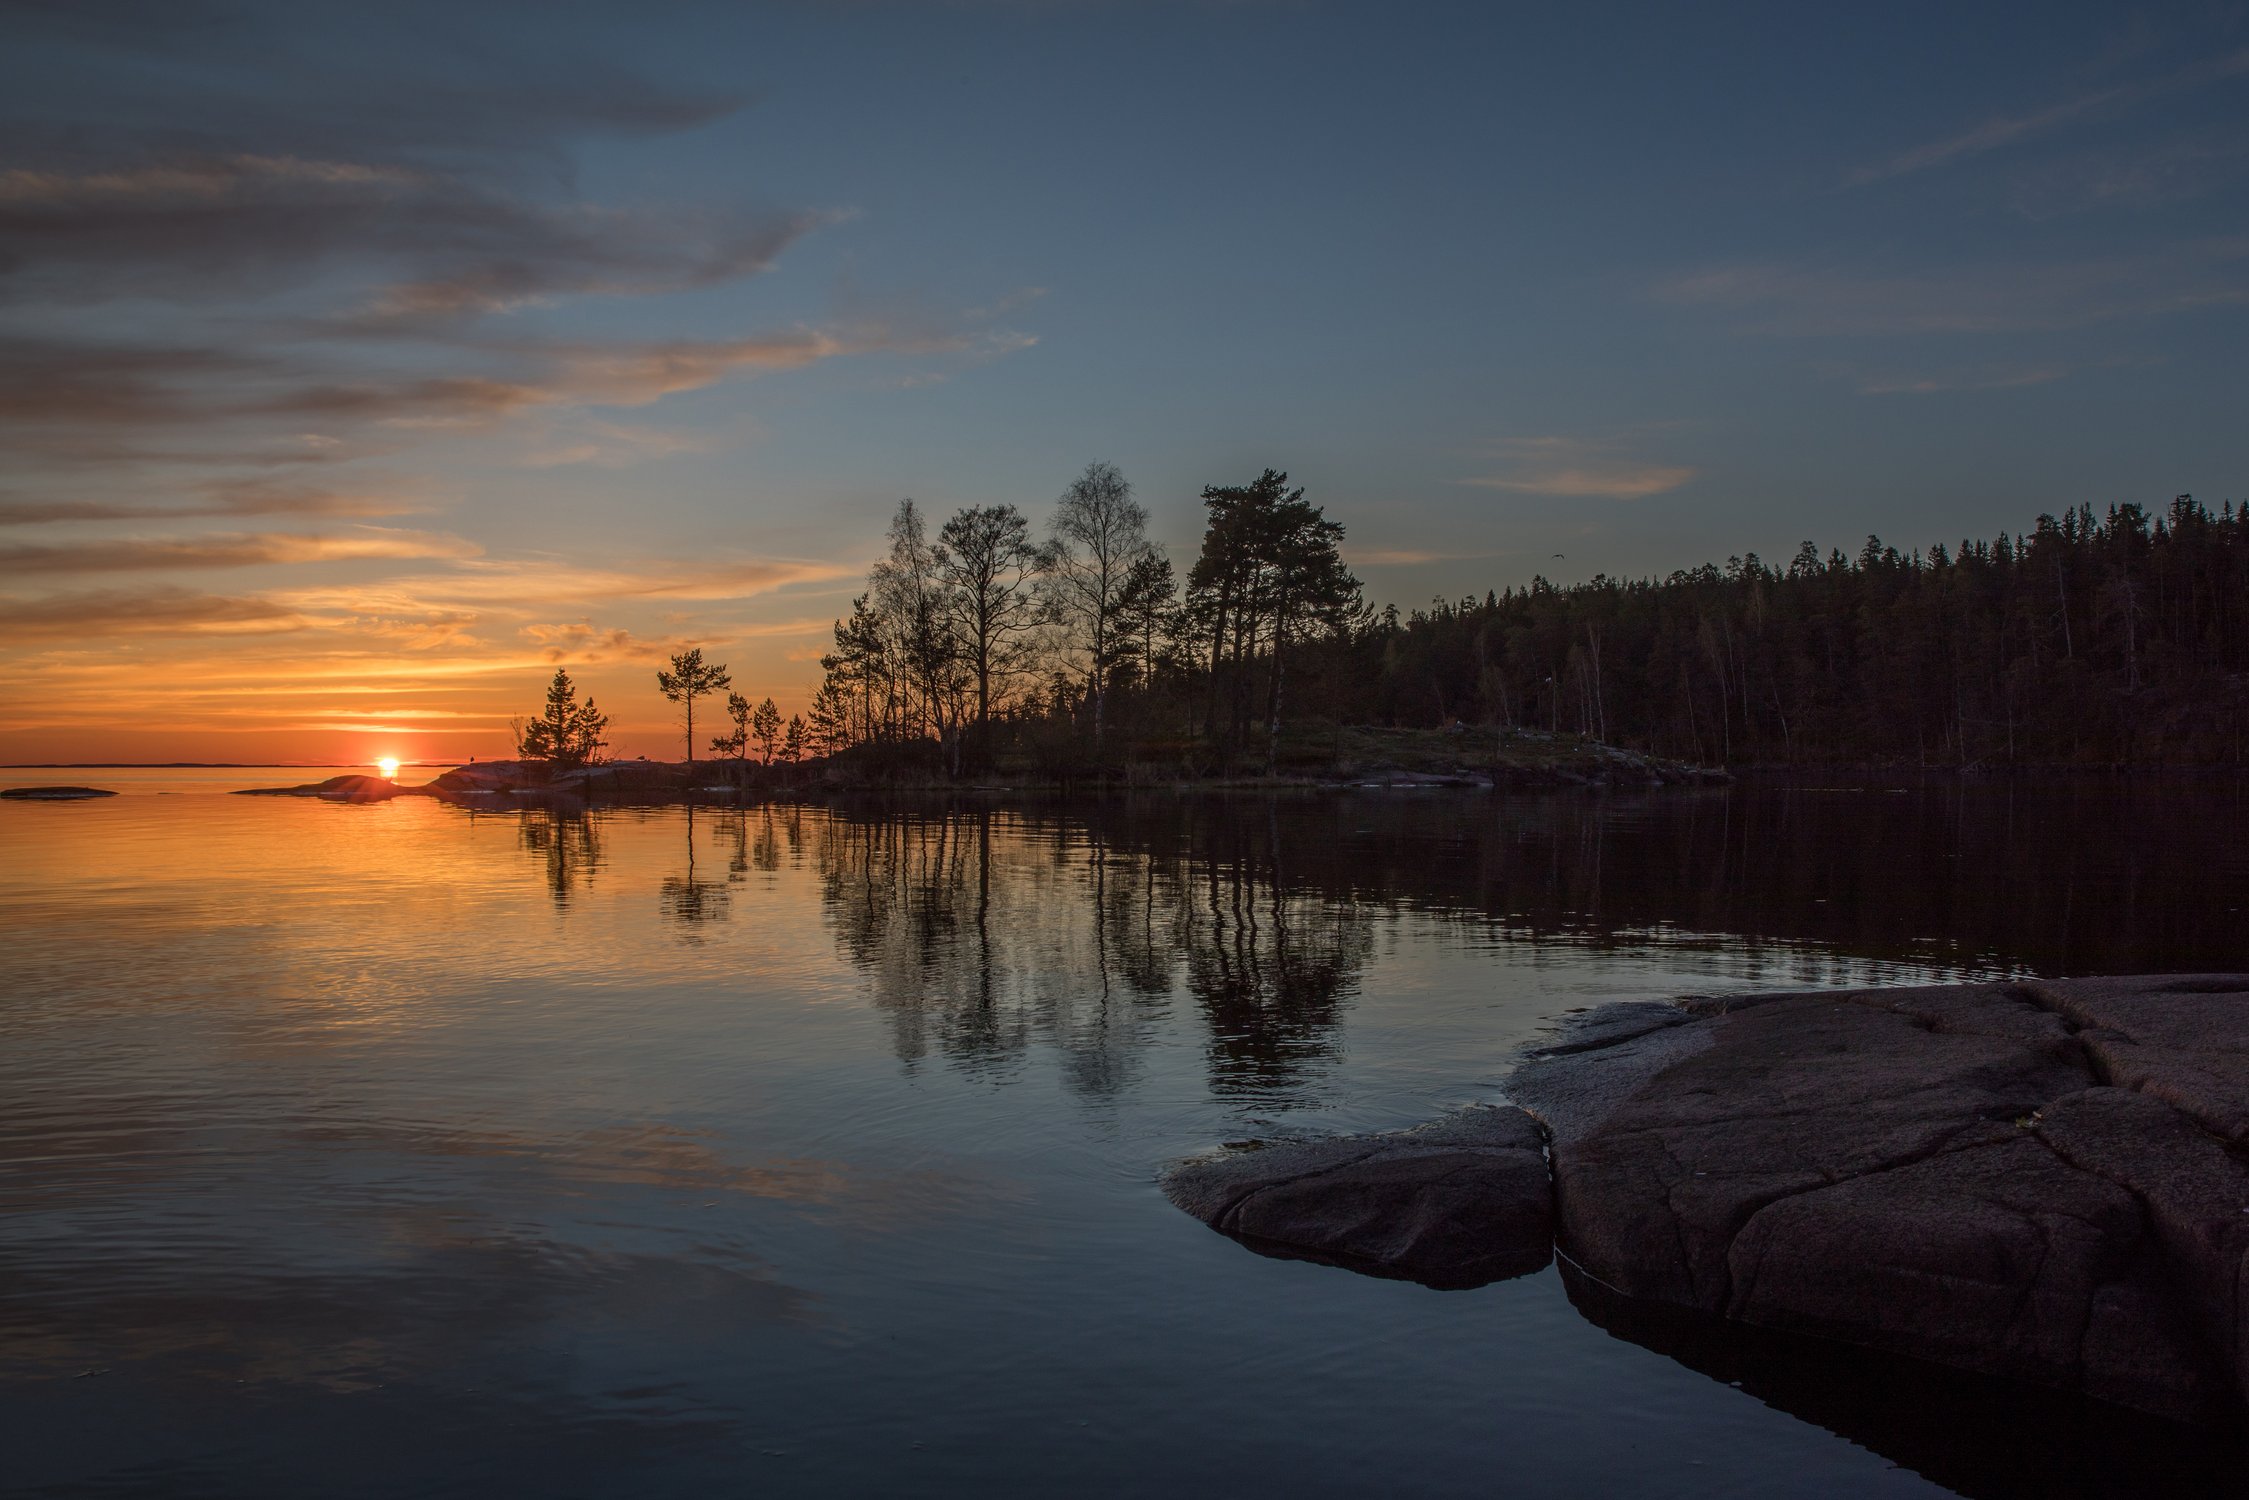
(1424, 760)
(484, 783)
(2041, 1181)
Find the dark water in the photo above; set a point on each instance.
(397, 1150)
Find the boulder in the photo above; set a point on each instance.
(1940, 1173)
(2045, 1181)
(1454, 1204)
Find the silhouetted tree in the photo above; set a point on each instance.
(1147, 613)
(829, 725)
(765, 727)
(736, 742)
(690, 678)
(1270, 574)
(988, 563)
(1100, 535)
(567, 734)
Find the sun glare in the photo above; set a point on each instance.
(388, 765)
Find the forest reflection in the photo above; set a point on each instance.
(1095, 928)
(987, 931)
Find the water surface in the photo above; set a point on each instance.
(397, 1149)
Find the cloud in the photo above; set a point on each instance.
(584, 642)
(234, 550)
(527, 588)
(421, 247)
(1577, 468)
(1796, 301)
(53, 393)
(237, 497)
(141, 611)
(337, 283)
(82, 383)
(1611, 482)
(608, 445)
(451, 84)
(2185, 167)
(1404, 557)
(2006, 130)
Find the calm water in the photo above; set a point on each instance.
(399, 1150)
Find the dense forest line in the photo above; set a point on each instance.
(2100, 640)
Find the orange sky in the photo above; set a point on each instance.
(427, 662)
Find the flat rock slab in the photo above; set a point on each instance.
(54, 793)
(1458, 1203)
(2042, 1180)
(338, 789)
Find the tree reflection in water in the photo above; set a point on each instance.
(987, 932)
(753, 838)
(569, 842)
(690, 900)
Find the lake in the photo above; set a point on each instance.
(400, 1149)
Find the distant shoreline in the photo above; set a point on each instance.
(203, 765)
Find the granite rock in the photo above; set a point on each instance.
(1457, 1203)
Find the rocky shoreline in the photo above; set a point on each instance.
(2039, 1181)
(1533, 762)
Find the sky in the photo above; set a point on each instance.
(359, 365)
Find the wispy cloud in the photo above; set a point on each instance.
(1409, 557)
(238, 497)
(98, 613)
(536, 585)
(1577, 468)
(1797, 300)
(233, 550)
(63, 397)
(607, 445)
(2190, 165)
(2006, 130)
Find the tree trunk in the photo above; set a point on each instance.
(1273, 699)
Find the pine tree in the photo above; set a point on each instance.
(567, 734)
(736, 743)
(765, 727)
(830, 725)
(691, 678)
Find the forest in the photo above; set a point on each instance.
(2112, 639)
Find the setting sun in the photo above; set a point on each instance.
(388, 765)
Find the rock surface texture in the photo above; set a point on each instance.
(1457, 1203)
(2041, 1180)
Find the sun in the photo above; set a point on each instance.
(388, 765)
